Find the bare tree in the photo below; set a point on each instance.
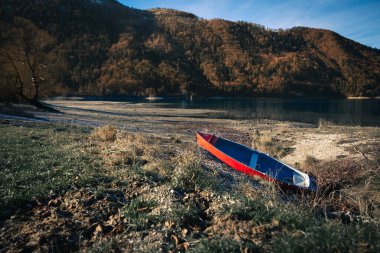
(26, 56)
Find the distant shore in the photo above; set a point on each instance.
(194, 97)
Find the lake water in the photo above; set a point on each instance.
(364, 112)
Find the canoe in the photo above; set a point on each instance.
(255, 163)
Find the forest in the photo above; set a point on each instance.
(89, 47)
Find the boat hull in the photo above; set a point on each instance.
(247, 160)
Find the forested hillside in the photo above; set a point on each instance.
(100, 47)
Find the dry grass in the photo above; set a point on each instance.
(142, 152)
(336, 174)
(348, 189)
(104, 133)
(323, 124)
(271, 143)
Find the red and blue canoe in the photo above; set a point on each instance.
(255, 163)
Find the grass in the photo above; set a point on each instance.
(299, 229)
(36, 162)
(165, 189)
(269, 209)
(223, 245)
(187, 214)
(330, 237)
(255, 210)
(107, 245)
(271, 144)
(104, 133)
(137, 214)
(189, 175)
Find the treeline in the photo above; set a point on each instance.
(96, 47)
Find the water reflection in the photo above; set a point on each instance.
(364, 112)
(353, 112)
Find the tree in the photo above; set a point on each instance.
(26, 57)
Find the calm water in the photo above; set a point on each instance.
(354, 112)
(365, 112)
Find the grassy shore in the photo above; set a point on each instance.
(122, 187)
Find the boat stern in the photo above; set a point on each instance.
(301, 179)
(305, 181)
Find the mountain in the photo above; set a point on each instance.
(104, 48)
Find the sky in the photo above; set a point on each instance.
(358, 20)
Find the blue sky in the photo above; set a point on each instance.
(354, 19)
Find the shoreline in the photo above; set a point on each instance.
(169, 97)
(298, 110)
(324, 140)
